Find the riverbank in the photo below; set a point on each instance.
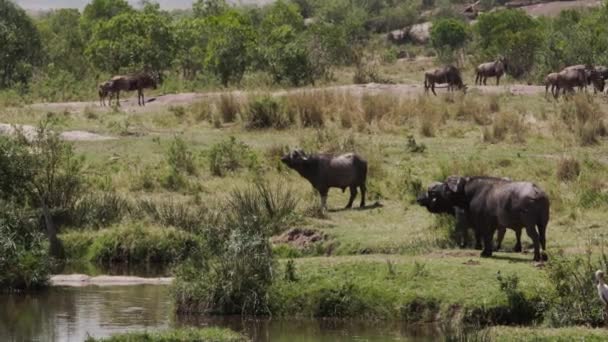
(178, 335)
(79, 280)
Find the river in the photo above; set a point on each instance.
(73, 313)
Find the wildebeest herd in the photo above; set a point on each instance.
(574, 76)
(485, 204)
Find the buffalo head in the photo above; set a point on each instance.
(294, 158)
(434, 200)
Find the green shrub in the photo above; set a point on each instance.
(134, 243)
(179, 215)
(180, 158)
(99, 210)
(230, 156)
(24, 259)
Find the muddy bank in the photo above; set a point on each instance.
(79, 280)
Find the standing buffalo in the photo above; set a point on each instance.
(447, 74)
(433, 201)
(326, 171)
(491, 69)
(497, 203)
(133, 82)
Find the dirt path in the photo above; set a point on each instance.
(554, 8)
(80, 280)
(129, 105)
(30, 132)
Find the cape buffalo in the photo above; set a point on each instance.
(133, 82)
(496, 203)
(490, 69)
(447, 74)
(326, 171)
(435, 203)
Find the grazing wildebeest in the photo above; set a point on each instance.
(133, 82)
(567, 79)
(447, 74)
(551, 80)
(435, 203)
(325, 171)
(490, 69)
(104, 90)
(496, 203)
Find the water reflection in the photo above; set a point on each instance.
(71, 314)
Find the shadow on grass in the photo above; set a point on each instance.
(367, 207)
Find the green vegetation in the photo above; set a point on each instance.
(553, 335)
(178, 335)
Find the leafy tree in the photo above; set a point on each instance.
(63, 41)
(139, 40)
(192, 37)
(20, 45)
(230, 48)
(98, 11)
(209, 8)
(448, 35)
(512, 34)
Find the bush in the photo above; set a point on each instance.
(504, 124)
(568, 169)
(135, 243)
(229, 107)
(230, 156)
(180, 158)
(266, 112)
(574, 300)
(24, 259)
(307, 107)
(99, 210)
(584, 118)
(448, 35)
(178, 215)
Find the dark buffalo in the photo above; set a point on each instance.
(496, 203)
(134, 82)
(490, 69)
(435, 203)
(447, 74)
(325, 171)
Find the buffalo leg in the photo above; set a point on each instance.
(517, 247)
(323, 194)
(363, 189)
(531, 231)
(461, 228)
(118, 98)
(497, 80)
(476, 78)
(353, 194)
(487, 243)
(500, 237)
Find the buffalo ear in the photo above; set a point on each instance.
(455, 183)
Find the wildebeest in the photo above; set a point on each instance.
(591, 75)
(139, 82)
(447, 74)
(104, 90)
(567, 79)
(490, 69)
(325, 171)
(496, 203)
(433, 201)
(551, 80)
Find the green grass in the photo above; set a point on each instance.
(178, 335)
(500, 334)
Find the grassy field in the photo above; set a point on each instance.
(392, 260)
(206, 334)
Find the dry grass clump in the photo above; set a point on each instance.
(307, 107)
(568, 169)
(229, 106)
(505, 124)
(202, 111)
(493, 103)
(584, 118)
(430, 116)
(467, 108)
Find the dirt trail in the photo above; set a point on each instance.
(80, 280)
(129, 105)
(30, 132)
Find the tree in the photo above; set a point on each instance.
(209, 8)
(20, 45)
(192, 37)
(447, 36)
(63, 42)
(135, 41)
(512, 34)
(99, 11)
(230, 47)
